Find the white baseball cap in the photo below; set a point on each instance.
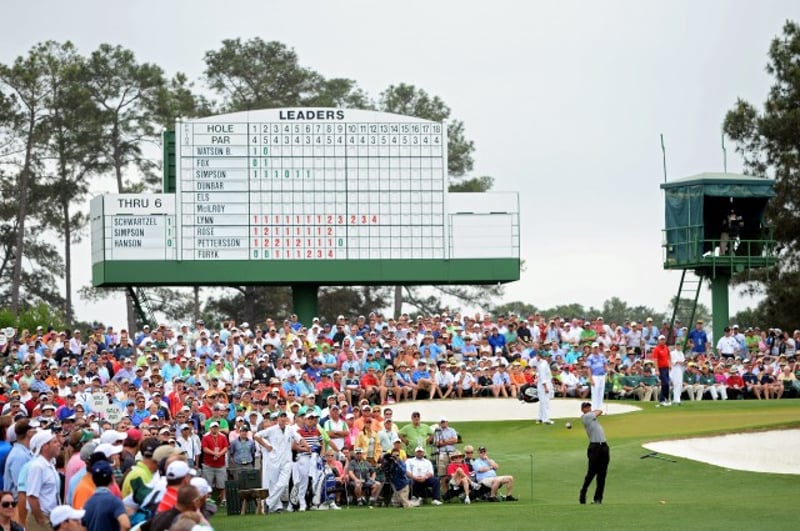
(40, 439)
(178, 469)
(201, 485)
(112, 436)
(62, 513)
(108, 449)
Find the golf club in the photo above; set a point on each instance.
(656, 455)
(531, 456)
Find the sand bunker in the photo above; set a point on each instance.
(766, 451)
(471, 409)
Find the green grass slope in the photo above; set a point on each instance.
(639, 492)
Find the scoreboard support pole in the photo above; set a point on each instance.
(719, 304)
(305, 302)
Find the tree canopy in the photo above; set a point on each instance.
(769, 142)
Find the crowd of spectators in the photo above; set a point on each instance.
(187, 394)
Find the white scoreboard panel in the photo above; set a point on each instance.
(133, 227)
(311, 184)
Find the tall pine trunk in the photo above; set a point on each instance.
(68, 316)
(22, 213)
(398, 301)
(129, 307)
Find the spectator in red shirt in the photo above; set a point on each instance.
(325, 383)
(459, 474)
(369, 383)
(664, 363)
(735, 385)
(215, 447)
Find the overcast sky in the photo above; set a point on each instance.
(565, 102)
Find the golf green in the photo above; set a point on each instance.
(549, 462)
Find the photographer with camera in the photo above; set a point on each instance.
(731, 227)
(394, 470)
(445, 439)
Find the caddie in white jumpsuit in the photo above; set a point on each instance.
(676, 374)
(597, 375)
(544, 386)
(278, 440)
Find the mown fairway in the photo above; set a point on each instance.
(640, 493)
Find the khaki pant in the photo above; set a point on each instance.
(400, 498)
(33, 525)
(441, 464)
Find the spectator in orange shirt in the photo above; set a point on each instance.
(517, 376)
(86, 486)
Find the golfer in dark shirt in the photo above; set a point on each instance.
(597, 453)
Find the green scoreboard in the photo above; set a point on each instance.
(306, 196)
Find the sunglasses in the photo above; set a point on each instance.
(7, 504)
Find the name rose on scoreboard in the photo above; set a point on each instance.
(311, 184)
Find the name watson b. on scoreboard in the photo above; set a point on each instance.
(308, 184)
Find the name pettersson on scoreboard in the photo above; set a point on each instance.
(219, 242)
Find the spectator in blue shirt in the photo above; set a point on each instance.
(291, 385)
(104, 511)
(140, 412)
(422, 379)
(699, 338)
(18, 456)
(497, 340)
